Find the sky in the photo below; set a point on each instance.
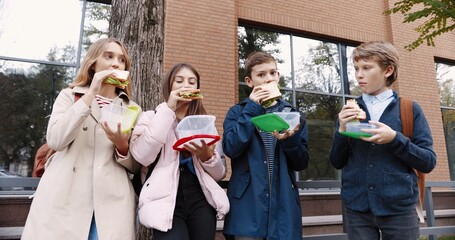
(30, 28)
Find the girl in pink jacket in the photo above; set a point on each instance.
(181, 199)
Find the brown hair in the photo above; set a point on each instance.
(256, 58)
(196, 107)
(384, 53)
(85, 75)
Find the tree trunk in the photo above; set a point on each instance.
(140, 25)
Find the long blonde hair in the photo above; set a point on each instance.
(86, 72)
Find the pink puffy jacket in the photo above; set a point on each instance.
(156, 130)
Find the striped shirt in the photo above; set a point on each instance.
(103, 101)
(269, 143)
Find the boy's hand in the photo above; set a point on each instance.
(383, 134)
(258, 94)
(286, 134)
(347, 114)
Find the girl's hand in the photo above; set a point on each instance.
(98, 80)
(174, 97)
(118, 138)
(203, 152)
(383, 134)
(347, 113)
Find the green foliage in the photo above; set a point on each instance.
(27, 99)
(253, 40)
(439, 18)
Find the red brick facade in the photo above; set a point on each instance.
(204, 33)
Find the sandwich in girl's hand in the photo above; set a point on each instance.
(194, 94)
(353, 103)
(274, 93)
(120, 79)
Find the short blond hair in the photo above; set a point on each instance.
(384, 53)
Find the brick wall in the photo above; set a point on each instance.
(204, 33)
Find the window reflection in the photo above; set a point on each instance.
(448, 118)
(28, 92)
(317, 74)
(321, 112)
(31, 30)
(353, 85)
(244, 92)
(445, 76)
(317, 66)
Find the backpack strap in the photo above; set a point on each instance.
(407, 123)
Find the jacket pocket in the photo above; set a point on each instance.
(398, 188)
(239, 186)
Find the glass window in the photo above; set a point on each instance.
(316, 77)
(354, 89)
(321, 112)
(41, 58)
(28, 92)
(448, 118)
(445, 76)
(317, 66)
(34, 29)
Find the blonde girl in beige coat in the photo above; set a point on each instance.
(86, 188)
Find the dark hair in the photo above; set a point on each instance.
(384, 53)
(256, 58)
(196, 107)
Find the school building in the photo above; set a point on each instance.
(312, 41)
(207, 34)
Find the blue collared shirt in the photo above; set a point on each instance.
(377, 104)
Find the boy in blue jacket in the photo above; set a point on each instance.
(379, 185)
(262, 192)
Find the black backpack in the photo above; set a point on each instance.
(137, 183)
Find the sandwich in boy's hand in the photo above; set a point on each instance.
(353, 103)
(274, 93)
(120, 79)
(193, 94)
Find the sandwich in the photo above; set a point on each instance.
(353, 103)
(275, 93)
(120, 79)
(193, 94)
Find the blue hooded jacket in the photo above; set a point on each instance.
(260, 208)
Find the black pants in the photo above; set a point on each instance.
(194, 218)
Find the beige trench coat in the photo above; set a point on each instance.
(83, 178)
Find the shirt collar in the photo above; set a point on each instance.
(378, 98)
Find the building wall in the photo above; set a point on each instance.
(205, 35)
